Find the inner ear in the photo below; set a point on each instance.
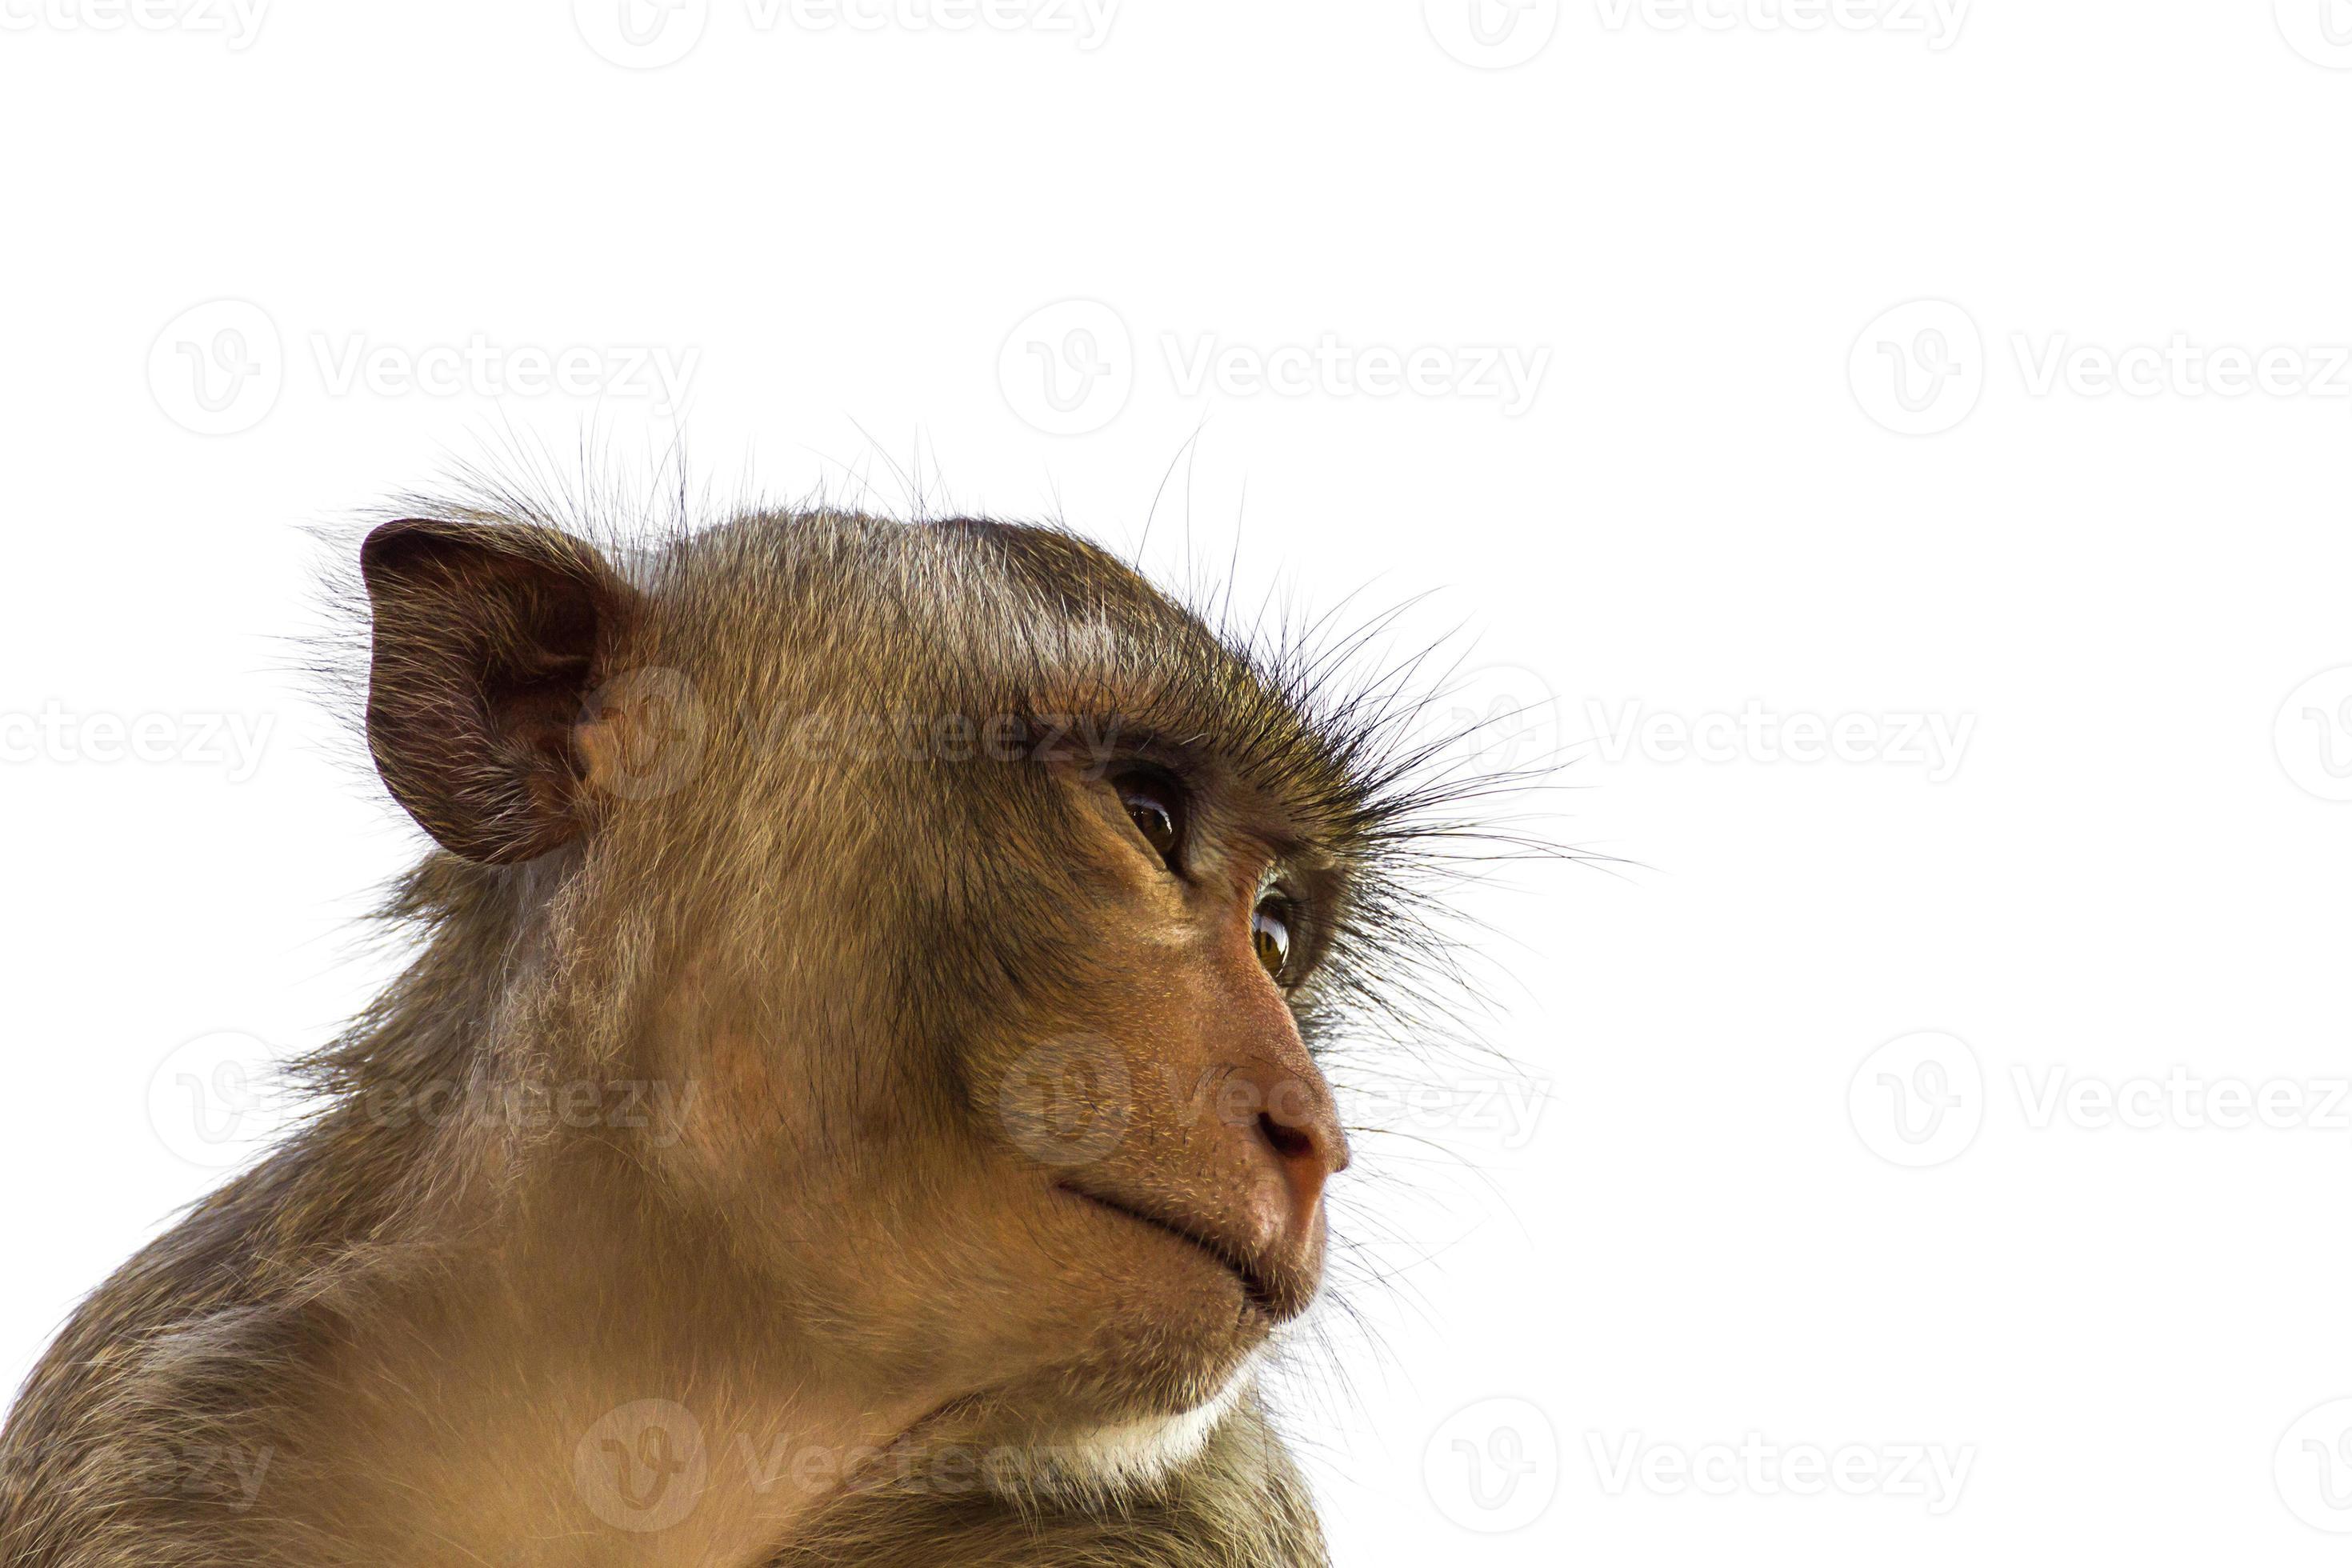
(487, 639)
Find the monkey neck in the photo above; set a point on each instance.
(507, 1294)
(576, 1358)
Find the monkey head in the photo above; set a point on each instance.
(990, 911)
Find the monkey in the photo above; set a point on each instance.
(858, 1095)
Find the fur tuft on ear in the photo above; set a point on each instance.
(486, 641)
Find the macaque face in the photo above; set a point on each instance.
(1087, 1184)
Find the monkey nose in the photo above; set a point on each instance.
(1307, 1157)
(1295, 1133)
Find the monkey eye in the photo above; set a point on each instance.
(1270, 939)
(1155, 804)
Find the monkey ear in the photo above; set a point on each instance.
(488, 640)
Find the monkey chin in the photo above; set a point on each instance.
(1115, 1459)
(1121, 1378)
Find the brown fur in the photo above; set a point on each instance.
(680, 861)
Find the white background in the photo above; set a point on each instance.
(1737, 495)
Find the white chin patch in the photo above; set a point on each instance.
(1128, 1456)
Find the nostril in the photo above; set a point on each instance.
(1290, 1143)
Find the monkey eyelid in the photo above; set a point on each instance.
(1212, 813)
(1172, 794)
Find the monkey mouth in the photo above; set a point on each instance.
(1278, 1294)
